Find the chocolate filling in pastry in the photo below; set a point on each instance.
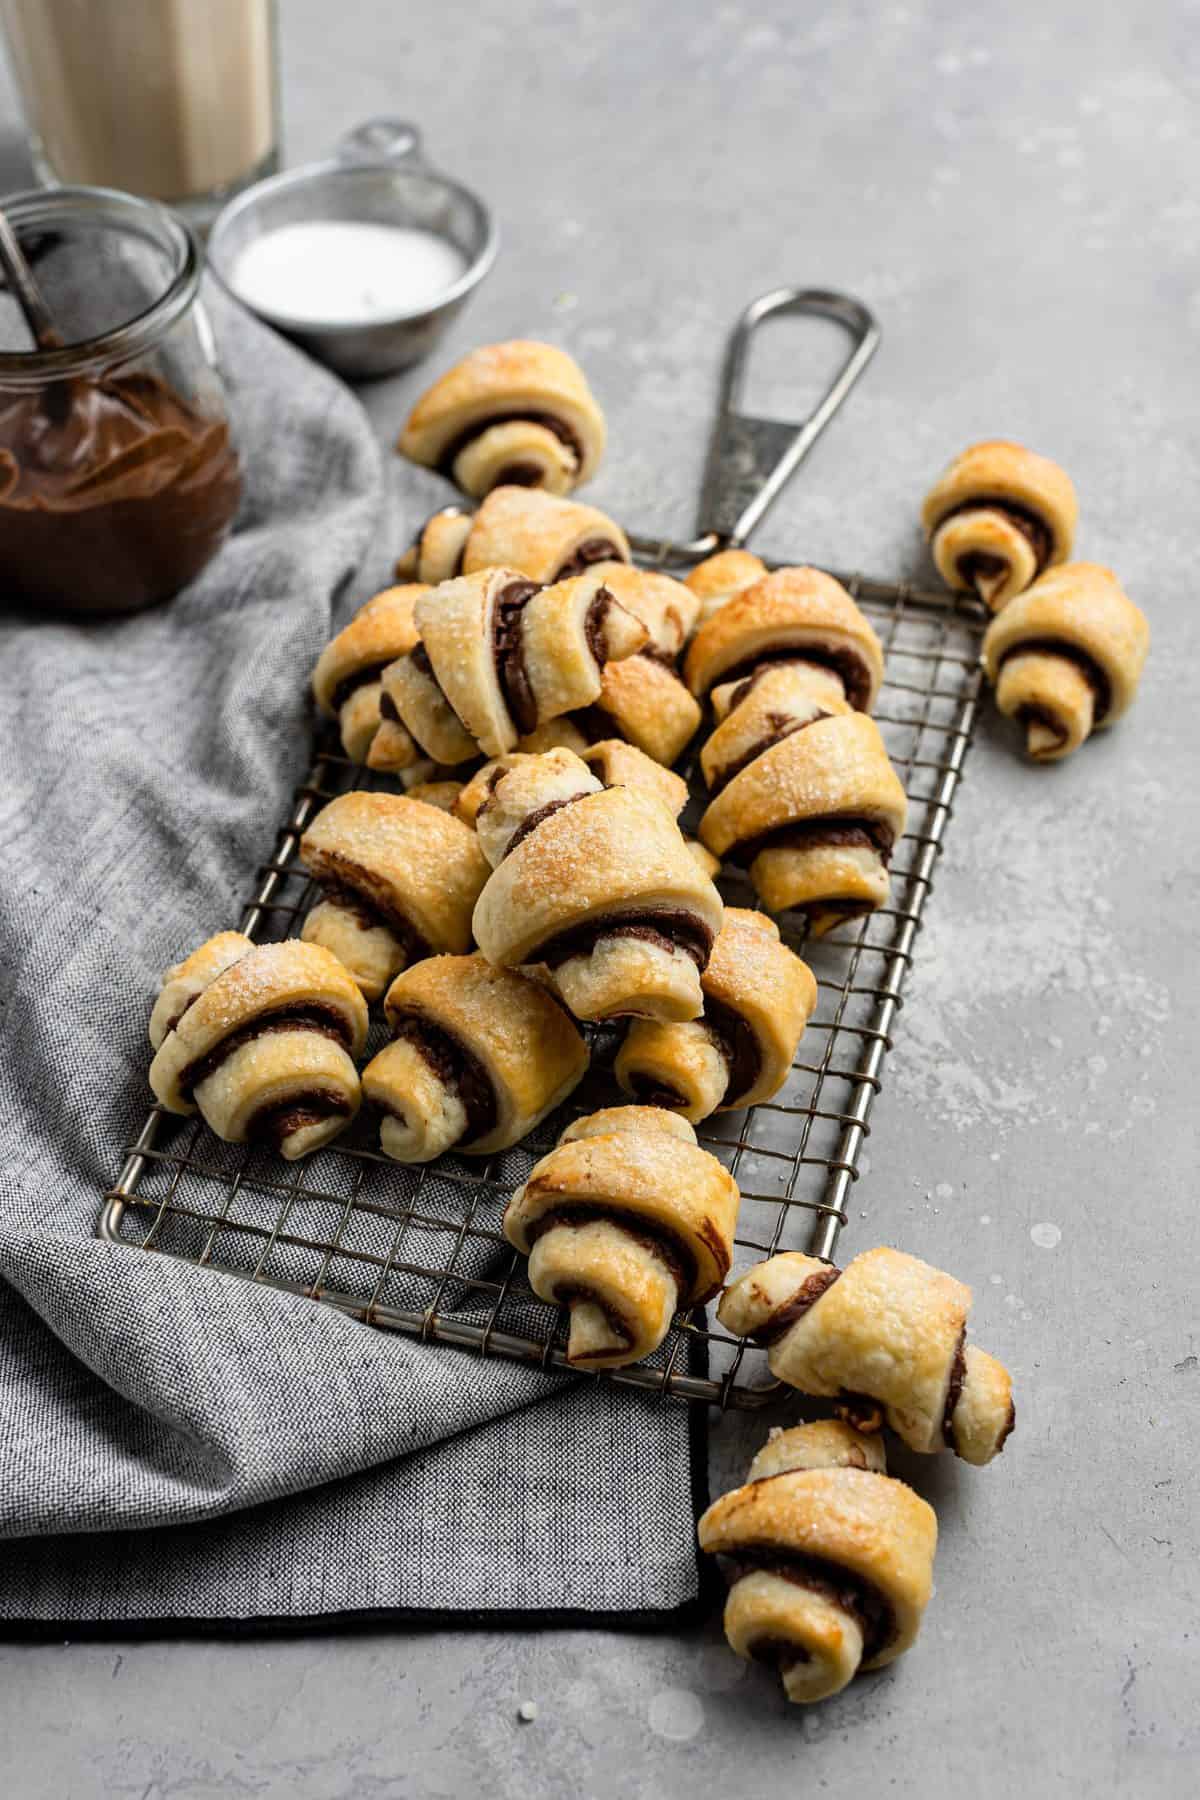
(785, 1316)
(670, 1249)
(804, 834)
(592, 550)
(1091, 671)
(735, 1039)
(778, 726)
(844, 662)
(347, 884)
(508, 647)
(301, 1016)
(866, 1604)
(671, 928)
(538, 816)
(560, 429)
(958, 1375)
(272, 1124)
(1031, 526)
(520, 474)
(454, 1065)
(350, 684)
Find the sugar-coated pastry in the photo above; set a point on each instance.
(997, 517)
(1066, 657)
(544, 537)
(816, 817)
(266, 1050)
(478, 1057)
(347, 679)
(500, 655)
(755, 713)
(798, 615)
(829, 1559)
(436, 552)
(618, 764)
(186, 981)
(718, 578)
(399, 880)
(648, 704)
(519, 414)
(758, 997)
(885, 1337)
(625, 1222)
(442, 794)
(702, 857)
(667, 608)
(595, 886)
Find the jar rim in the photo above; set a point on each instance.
(42, 207)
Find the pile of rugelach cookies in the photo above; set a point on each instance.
(523, 879)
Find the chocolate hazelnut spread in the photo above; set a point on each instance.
(508, 648)
(669, 928)
(867, 1605)
(954, 1388)
(1032, 527)
(304, 1017)
(453, 1064)
(548, 421)
(114, 493)
(803, 834)
(844, 662)
(592, 550)
(272, 1124)
(785, 1316)
(347, 884)
(735, 1039)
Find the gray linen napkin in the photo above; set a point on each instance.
(176, 1444)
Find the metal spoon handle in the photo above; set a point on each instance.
(24, 285)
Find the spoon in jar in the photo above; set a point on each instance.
(23, 283)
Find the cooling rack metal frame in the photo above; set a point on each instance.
(421, 1251)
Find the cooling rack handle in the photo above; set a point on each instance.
(751, 461)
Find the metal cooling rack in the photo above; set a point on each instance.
(421, 1250)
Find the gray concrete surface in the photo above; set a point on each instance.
(1014, 190)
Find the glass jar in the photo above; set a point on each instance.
(119, 479)
(176, 100)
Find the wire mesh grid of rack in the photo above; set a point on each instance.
(420, 1250)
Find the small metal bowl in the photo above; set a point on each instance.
(377, 177)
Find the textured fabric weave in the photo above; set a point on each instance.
(176, 1443)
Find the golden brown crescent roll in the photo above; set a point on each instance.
(595, 885)
(619, 764)
(500, 655)
(649, 706)
(793, 615)
(266, 1048)
(816, 817)
(776, 700)
(702, 857)
(1066, 657)
(718, 578)
(436, 552)
(758, 997)
(186, 981)
(478, 1057)
(544, 537)
(625, 1222)
(829, 1559)
(519, 414)
(442, 794)
(886, 1338)
(997, 517)
(399, 878)
(347, 679)
(666, 607)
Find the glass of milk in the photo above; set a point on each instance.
(176, 100)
